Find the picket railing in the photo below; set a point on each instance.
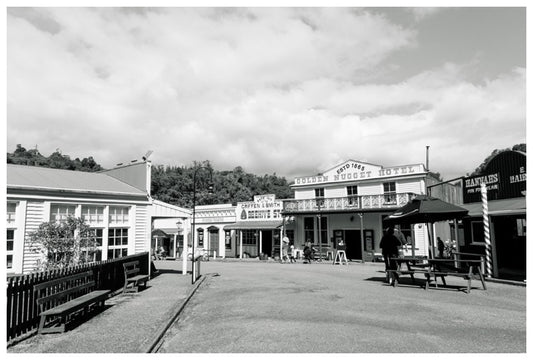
(22, 311)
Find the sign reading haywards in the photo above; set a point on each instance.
(504, 176)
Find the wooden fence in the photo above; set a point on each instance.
(22, 311)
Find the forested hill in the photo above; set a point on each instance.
(56, 160)
(172, 184)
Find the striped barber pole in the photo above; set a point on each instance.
(486, 230)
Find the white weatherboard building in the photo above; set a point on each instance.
(349, 202)
(116, 204)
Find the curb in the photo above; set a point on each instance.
(506, 282)
(156, 342)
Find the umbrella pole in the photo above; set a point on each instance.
(431, 250)
(413, 242)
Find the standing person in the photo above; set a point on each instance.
(291, 254)
(389, 249)
(440, 247)
(285, 249)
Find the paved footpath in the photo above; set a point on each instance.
(132, 323)
(266, 307)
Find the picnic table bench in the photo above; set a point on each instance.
(465, 268)
(433, 268)
(414, 265)
(60, 299)
(132, 277)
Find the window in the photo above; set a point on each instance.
(323, 229)
(118, 215)
(319, 192)
(60, 213)
(389, 190)
(351, 191)
(309, 229)
(10, 245)
(118, 243)
(478, 233)
(200, 237)
(11, 212)
(521, 227)
(93, 215)
(95, 253)
(249, 237)
(227, 237)
(10, 233)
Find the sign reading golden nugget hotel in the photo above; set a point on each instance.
(354, 170)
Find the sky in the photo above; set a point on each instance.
(293, 91)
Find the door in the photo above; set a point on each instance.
(267, 242)
(353, 244)
(510, 239)
(213, 242)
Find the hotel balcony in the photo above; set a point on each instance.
(359, 203)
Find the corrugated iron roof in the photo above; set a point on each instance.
(513, 206)
(34, 177)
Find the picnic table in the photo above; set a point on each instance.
(440, 267)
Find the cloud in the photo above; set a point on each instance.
(291, 91)
(422, 13)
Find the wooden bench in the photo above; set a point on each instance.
(59, 299)
(466, 269)
(132, 279)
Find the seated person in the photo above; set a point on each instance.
(309, 252)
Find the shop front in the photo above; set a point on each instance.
(505, 240)
(258, 229)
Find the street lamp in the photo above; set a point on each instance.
(210, 189)
(319, 203)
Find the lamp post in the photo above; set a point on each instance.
(179, 226)
(210, 188)
(318, 203)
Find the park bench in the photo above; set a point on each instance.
(465, 268)
(132, 277)
(59, 300)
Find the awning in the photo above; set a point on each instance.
(254, 225)
(164, 232)
(159, 233)
(514, 206)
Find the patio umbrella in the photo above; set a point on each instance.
(426, 209)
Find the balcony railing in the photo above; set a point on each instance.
(361, 202)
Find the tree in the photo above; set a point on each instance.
(174, 185)
(63, 244)
(481, 168)
(56, 160)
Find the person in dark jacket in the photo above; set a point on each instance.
(389, 248)
(440, 247)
